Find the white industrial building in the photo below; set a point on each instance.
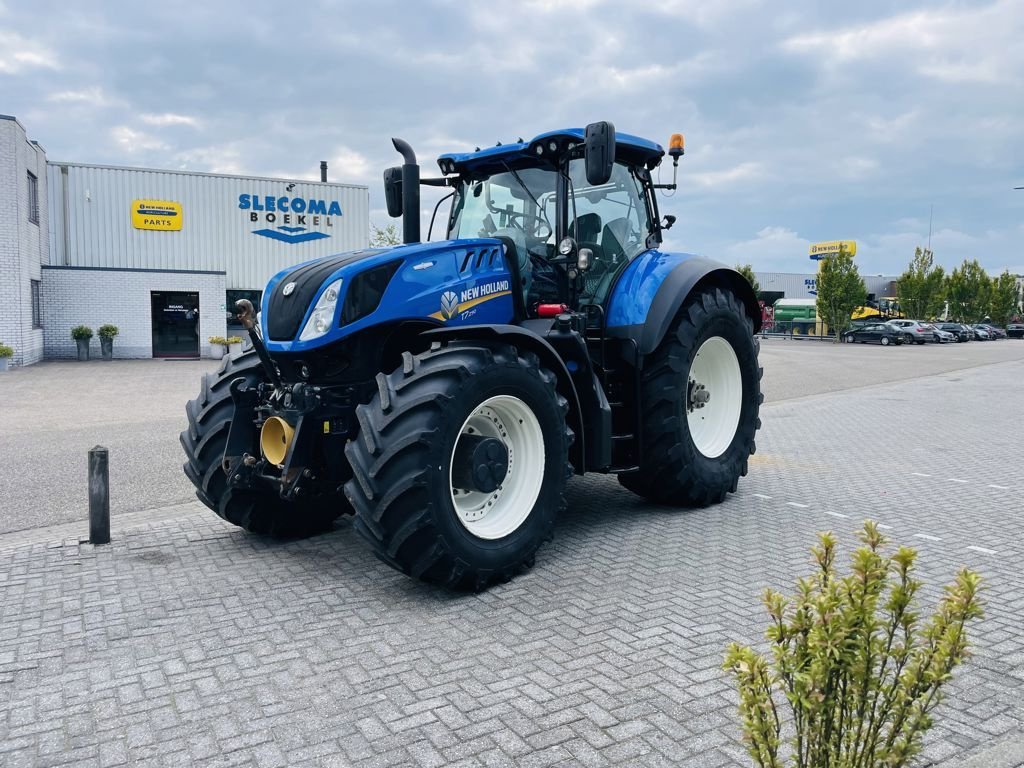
(161, 254)
(798, 285)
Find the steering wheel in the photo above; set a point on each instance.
(541, 228)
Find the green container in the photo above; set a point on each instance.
(800, 314)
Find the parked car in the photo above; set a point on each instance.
(941, 336)
(1015, 330)
(980, 334)
(961, 332)
(993, 331)
(913, 330)
(883, 333)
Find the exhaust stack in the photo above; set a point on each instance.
(410, 192)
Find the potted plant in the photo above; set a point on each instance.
(235, 345)
(82, 334)
(6, 353)
(218, 346)
(107, 333)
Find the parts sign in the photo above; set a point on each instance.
(156, 214)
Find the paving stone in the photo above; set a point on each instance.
(187, 641)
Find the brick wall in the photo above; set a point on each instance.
(24, 245)
(89, 296)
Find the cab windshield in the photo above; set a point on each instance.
(611, 220)
(518, 204)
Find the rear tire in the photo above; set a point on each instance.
(261, 512)
(409, 507)
(681, 466)
(884, 341)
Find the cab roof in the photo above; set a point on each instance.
(632, 149)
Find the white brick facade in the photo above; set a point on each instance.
(95, 296)
(24, 244)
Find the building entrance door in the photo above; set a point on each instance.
(175, 317)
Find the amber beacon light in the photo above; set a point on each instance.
(676, 145)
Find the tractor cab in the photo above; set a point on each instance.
(572, 208)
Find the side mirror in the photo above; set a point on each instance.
(599, 152)
(583, 259)
(393, 191)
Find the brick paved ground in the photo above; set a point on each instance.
(187, 641)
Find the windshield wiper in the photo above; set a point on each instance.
(527, 190)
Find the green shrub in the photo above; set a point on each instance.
(218, 340)
(81, 332)
(234, 339)
(6, 351)
(859, 670)
(107, 331)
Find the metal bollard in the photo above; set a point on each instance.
(99, 496)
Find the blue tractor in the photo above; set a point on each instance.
(444, 392)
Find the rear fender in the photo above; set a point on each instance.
(525, 340)
(654, 287)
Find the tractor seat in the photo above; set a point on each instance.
(614, 234)
(589, 227)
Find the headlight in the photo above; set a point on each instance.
(320, 321)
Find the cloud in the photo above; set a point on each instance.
(725, 176)
(169, 118)
(809, 122)
(774, 248)
(19, 54)
(93, 96)
(952, 44)
(217, 158)
(136, 142)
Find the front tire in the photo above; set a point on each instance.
(261, 512)
(696, 448)
(416, 503)
(885, 341)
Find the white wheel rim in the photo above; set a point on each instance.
(713, 425)
(497, 514)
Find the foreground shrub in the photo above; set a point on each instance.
(860, 672)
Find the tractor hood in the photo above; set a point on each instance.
(419, 281)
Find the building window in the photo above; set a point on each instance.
(33, 198)
(37, 315)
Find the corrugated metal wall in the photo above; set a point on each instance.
(798, 286)
(91, 223)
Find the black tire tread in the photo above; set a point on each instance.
(392, 462)
(663, 478)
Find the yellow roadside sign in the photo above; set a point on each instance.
(831, 248)
(156, 214)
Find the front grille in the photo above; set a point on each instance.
(285, 313)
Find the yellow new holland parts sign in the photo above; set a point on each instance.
(156, 214)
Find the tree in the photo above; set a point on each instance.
(921, 288)
(1002, 303)
(748, 272)
(840, 290)
(967, 291)
(384, 237)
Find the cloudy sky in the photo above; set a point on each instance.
(802, 124)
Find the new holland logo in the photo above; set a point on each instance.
(463, 303)
(449, 305)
